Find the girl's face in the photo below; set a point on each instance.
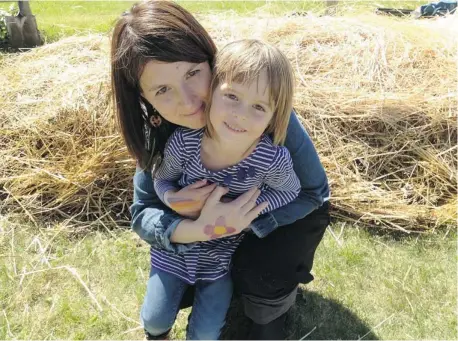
(240, 113)
(178, 91)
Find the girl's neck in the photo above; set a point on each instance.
(216, 155)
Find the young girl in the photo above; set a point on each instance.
(251, 100)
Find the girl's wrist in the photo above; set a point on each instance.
(167, 195)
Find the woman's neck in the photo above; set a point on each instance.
(216, 155)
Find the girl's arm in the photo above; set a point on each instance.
(283, 183)
(314, 183)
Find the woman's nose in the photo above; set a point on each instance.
(187, 96)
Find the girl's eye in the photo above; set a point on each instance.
(161, 91)
(192, 73)
(232, 97)
(259, 107)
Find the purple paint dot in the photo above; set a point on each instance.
(227, 180)
(251, 171)
(241, 174)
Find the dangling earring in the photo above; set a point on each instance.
(155, 120)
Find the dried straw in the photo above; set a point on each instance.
(377, 95)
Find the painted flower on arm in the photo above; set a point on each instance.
(218, 229)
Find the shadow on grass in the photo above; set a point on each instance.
(321, 318)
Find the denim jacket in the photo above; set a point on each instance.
(155, 223)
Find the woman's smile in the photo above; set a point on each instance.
(198, 111)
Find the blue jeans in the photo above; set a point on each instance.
(162, 301)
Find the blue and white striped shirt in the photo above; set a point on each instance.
(268, 167)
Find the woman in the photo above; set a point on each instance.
(161, 71)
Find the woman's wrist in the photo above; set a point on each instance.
(188, 231)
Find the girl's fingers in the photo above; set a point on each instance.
(253, 214)
(206, 190)
(216, 195)
(198, 184)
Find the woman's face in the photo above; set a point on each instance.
(178, 91)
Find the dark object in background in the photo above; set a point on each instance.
(394, 11)
(437, 9)
(430, 10)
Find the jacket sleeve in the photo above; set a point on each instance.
(151, 219)
(314, 183)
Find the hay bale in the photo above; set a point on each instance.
(378, 96)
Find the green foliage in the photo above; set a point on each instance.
(12, 10)
(390, 287)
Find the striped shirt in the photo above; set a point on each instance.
(268, 167)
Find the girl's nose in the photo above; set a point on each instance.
(240, 114)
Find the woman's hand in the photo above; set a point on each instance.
(189, 200)
(220, 219)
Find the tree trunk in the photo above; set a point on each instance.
(24, 8)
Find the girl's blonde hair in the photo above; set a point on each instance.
(243, 61)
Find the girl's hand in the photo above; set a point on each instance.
(218, 219)
(189, 200)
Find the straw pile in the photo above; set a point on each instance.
(377, 95)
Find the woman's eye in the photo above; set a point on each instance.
(161, 91)
(259, 107)
(192, 73)
(232, 97)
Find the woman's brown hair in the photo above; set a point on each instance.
(151, 30)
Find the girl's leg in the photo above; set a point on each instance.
(211, 302)
(267, 271)
(163, 296)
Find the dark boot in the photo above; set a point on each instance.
(164, 336)
(274, 330)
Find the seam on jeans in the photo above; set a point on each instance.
(177, 302)
(196, 302)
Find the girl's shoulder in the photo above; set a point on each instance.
(188, 133)
(186, 136)
(271, 151)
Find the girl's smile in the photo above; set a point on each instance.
(234, 128)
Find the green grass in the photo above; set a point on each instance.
(365, 284)
(57, 19)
